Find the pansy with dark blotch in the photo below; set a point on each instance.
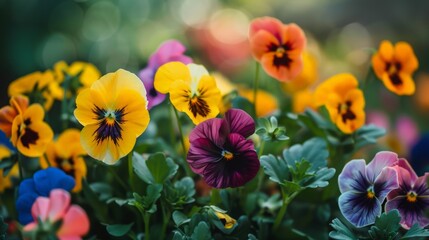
(41, 184)
(364, 187)
(221, 152)
(168, 51)
(411, 198)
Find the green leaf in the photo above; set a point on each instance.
(386, 226)
(156, 169)
(416, 231)
(119, 230)
(276, 168)
(180, 218)
(3, 229)
(147, 203)
(368, 134)
(103, 190)
(251, 237)
(202, 232)
(319, 179)
(341, 231)
(181, 192)
(313, 150)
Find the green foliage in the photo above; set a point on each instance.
(156, 169)
(179, 218)
(341, 231)
(202, 231)
(3, 229)
(415, 232)
(147, 203)
(270, 131)
(386, 226)
(119, 230)
(180, 193)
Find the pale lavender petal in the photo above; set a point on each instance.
(353, 178)
(403, 163)
(202, 152)
(385, 182)
(358, 209)
(153, 97)
(380, 161)
(411, 213)
(214, 129)
(240, 122)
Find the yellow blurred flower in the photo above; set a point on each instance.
(422, 90)
(306, 78)
(18, 104)
(30, 134)
(302, 100)
(344, 101)
(83, 74)
(266, 104)
(227, 221)
(5, 182)
(394, 65)
(227, 90)
(192, 90)
(67, 154)
(39, 87)
(114, 113)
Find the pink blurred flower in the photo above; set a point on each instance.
(49, 211)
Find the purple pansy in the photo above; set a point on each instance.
(411, 198)
(168, 51)
(221, 152)
(364, 188)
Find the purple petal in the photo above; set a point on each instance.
(421, 187)
(406, 179)
(353, 177)
(385, 182)
(411, 213)
(214, 129)
(202, 152)
(166, 52)
(358, 209)
(240, 122)
(380, 161)
(404, 164)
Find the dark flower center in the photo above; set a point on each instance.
(29, 136)
(109, 125)
(153, 92)
(198, 106)
(370, 192)
(227, 155)
(411, 196)
(345, 112)
(393, 71)
(281, 57)
(66, 164)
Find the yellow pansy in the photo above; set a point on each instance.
(226, 89)
(306, 78)
(344, 101)
(192, 90)
(18, 104)
(302, 100)
(30, 134)
(394, 65)
(87, 74)
(227, 221)
(39, 87)
(67, 154)
(266, 103)
(5, 182)
(114, 113)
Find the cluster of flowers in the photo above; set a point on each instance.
(114, 111)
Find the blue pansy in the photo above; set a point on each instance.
(41, 184)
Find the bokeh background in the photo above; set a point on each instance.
(113, 34)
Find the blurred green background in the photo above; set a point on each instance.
(116, 34)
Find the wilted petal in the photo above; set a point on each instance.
(353, 178)
(380, 161)
(358, 209)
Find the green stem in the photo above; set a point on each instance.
(182, 140)
(261, 148)
(46, 158)
(117, 178)
(286, 201)
(260, 172)
(131, 170)
(147, 226)
(255, 87)
(20, 166)
(165, 219)
(64, 103)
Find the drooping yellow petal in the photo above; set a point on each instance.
(168, 73)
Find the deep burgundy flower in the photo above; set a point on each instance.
(169, 51)
(221, 152)
(411, 198)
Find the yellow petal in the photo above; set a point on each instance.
(136, 118)
(405, 55)
(168, 73)
(89, 72)
(24, 84)
(37, 146)
(86, 102)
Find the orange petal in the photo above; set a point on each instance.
(386, 51)
(260, 43)
(293, 35)
(405, 55)
(269, 24)
(281, 73)
(379, 65)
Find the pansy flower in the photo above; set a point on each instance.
(411, 198)
(394, 65)
(169, 51)
(344, 100)
(39, 87)
(306, 77)
(364, 188)
(221, 152)
(18, 104)
(41, 184)
(67, 154)
(278, 47)
(114, 113)
(267, 103)
(192, 90)
(83, 75)
(30, 134)
(48, 212)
